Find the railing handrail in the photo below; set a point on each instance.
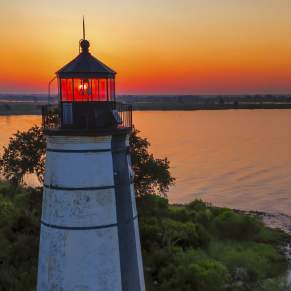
(52, 114)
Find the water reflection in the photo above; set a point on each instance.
(235, 158)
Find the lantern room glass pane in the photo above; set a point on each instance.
(84, 90)
(102, 90)
(95, 89)
(67, 89)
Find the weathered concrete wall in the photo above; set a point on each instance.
(87, 242)
(79, 260)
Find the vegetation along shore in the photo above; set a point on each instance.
(191, 247)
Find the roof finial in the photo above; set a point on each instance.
(84, 35)
(84, 44)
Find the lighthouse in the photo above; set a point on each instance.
(89, 238)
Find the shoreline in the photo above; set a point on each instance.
(271, 219)
(35, 108)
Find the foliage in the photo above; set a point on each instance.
(181, 251)
(19, 232)
(231, 225)
(248, 261)
(152, 176)
(24, 155)
(26, 152)
(274, 285)
(200, 247)
(191, 270)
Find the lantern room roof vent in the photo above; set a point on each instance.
(85, 65)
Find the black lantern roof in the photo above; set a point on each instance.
(85, 66)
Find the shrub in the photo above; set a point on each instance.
(248, 262)
(19, 232)
(274, 285)
(153, 205)
(193, 270)
(231, 225)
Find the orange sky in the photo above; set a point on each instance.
(156, 46)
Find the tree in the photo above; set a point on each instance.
(26, 154)
(152, 176)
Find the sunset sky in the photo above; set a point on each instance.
(156, 46)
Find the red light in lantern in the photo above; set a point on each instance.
(84, 87)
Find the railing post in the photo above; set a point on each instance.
(130, 110)
(42, 115)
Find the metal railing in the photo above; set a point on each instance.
(88, 115)
(125, 113)
(51, 117)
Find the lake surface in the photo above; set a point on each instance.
(235, 158)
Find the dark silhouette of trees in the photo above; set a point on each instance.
(152, 176)
(24, 154)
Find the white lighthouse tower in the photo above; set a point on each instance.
(89, 229)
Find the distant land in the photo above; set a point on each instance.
(17, 104)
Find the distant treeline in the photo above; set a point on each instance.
(207, 102)
(165, 98)
(31, 103)
(205, 98)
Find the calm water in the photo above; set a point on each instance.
(235, 158)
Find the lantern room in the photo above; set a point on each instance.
(86, 79)
(87, 97)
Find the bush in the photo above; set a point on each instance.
(231, 225)
(158, 223)
(193, 270)
(274, 285)
(152, 205)
(19, 232)
(249, 262)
